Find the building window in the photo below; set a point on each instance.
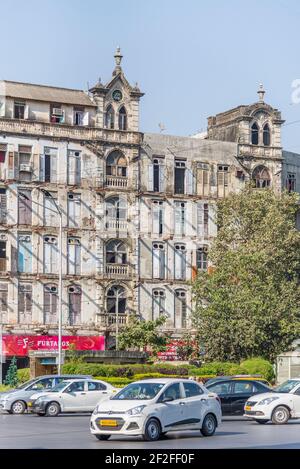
(122, 119)
(50, 255)
(74, 256)
(57, 115)
(202, 219)
(2, 256)
(3, 206)
(291, 182)
(116, 164)
(74, 305)
(266, 135)
(116, 300)
(158, 303)
(24, 207)
(158, 260)
(19, 110)
(157, 217)
(180, 262)
(181, 308)
(78, 116)
(50, 304)
(3, 150)
(116, 213)
(3, 302)
(48, 165)
(223, 180)
(110, 118)
(179, 218)
(180, 167)
(24, 253)
(202, 179)
(74, 167)
(254, 134)
(202, 258)
(261, 177)
(116, 252)
(74, 210)
(156, 175)
(50, 212)
(25, 168)
(25, 303)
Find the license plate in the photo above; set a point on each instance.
(247, 407)
(108, 423)
(29, 404)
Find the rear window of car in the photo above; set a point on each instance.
(241, 387)
(192, 389)
(220, 388)
(92, 386)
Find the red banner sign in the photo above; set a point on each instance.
(20, 345)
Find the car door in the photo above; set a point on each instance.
(195, 404)
(296, 402)
(173, 412)
(224, 390)
(241, 392)
(74, 397)
(96, 391)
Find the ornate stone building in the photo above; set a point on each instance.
(137, 209)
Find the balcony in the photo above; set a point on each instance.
(115, 224)
(117, 270)
(116, 182)
(107, 320)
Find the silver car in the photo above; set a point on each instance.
(15, 400)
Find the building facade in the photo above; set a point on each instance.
(138, 210)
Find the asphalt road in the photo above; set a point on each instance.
(72, 431)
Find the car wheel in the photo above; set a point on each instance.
(209, 425)
(262, 422)
(280, 415)
(103, 437)
(18, 408)
(152, 430)
(53, 409)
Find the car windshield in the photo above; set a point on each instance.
(287, 386)
(60, 386)
(28, 383)
(139, 391)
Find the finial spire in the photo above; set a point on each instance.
(261, 93)
(118, 58)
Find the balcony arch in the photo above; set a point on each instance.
(261, 177)
(116, 169)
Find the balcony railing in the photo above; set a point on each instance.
(113, 181)
(107, 320)
(114, 224)
(117, 270)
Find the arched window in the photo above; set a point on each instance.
(122, 119)
(74, 292)
(116, 252)
(261, 177)
(266, 135)
(116, 164)
(116, 208)
(180, 309)
(110, 118)
(158, 303)
(50, 304)
(116, 300)
(254, 134)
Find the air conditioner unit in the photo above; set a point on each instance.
(56, 111)
(26, 168)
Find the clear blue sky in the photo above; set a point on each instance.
(192, 58)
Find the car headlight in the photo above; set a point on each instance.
(136, 410)
(267, 401)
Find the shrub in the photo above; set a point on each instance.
(23, 375)
(117, 382)
(260, 366)
(141, 376)
(4, 388)
(218, 369)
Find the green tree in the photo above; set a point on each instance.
(140, 334)
(11, 375)
(248, 304)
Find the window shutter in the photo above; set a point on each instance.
(71, 256)
(53, 168)
(155, 218)
(189, 181)
(28, 256)
(162, 264)
(200, 219)
(177, 220)
(77, 259)
(155, 313)
(86, 118)
(47, 258)
(178, 267)
(161, 178)
(212, 225)
(156, 263)
(26, 112)
(42, 167)
(150, 177)
(21, 301)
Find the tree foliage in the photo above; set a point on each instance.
(11, 378)
(141, 334)
(248, 305)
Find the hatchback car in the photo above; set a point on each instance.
(71, 396)
(15, 400)
(279, 406)
(153, 407)
(235, 392)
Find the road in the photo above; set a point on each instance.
(72, 431)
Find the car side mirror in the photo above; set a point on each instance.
(167, 399)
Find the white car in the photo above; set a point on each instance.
(278, 406)
(71, 396)
(153, 407)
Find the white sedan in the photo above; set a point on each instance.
(278, 406)
(71, 396)
(151, 408)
